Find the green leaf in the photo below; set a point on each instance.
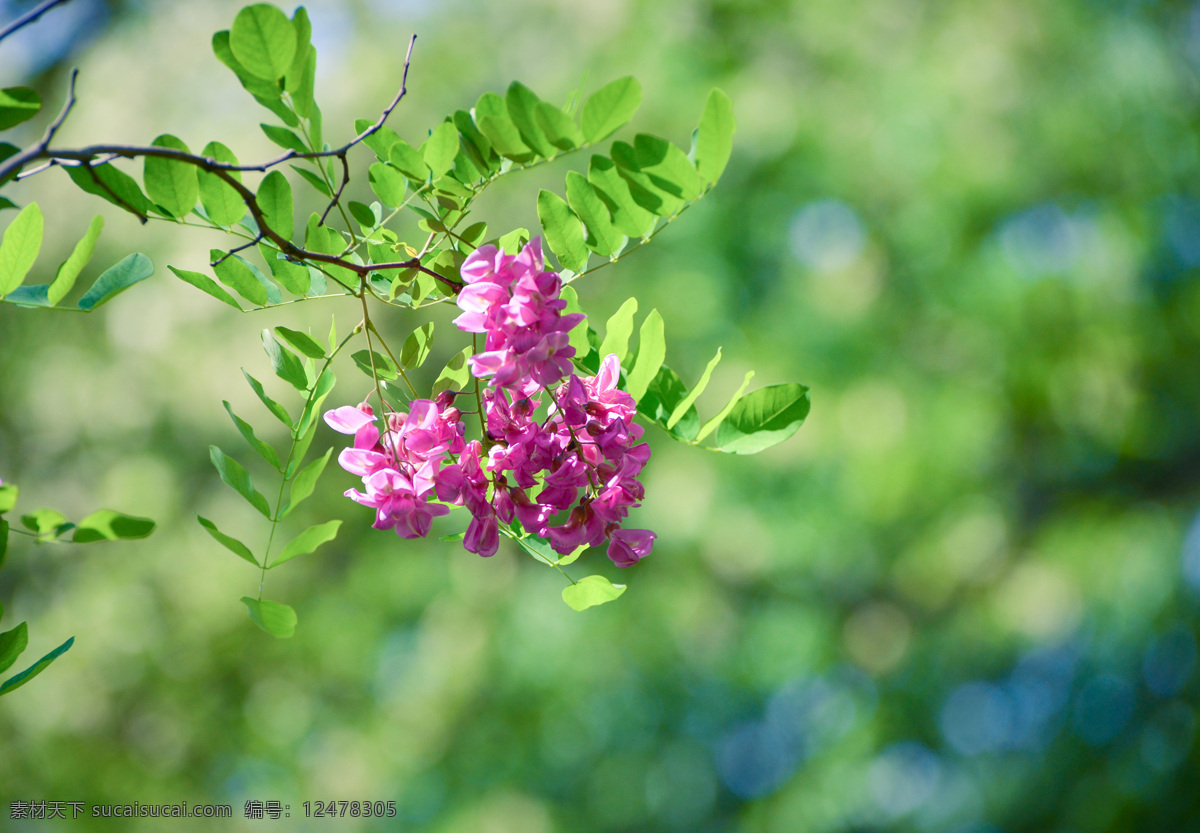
(5, 202)
(522, 105)
(30, 296)
(263, 40)
(380, 141)
(610, 107)
(384, 367)
(564, 233)
(205, 284)
(456, 375)
(560, 129)
(15, 682)
(311, 408)
(294, 77)
(3, 549)
(73, 265)
(306, 481)
(763, 418)
(714, 136)
(514, 241)
(307, 541)
(285, 138)
(313, 180)
(475, 144)
(617, 330)
(667, 167)
(229, 542)
(302, 96)
(237, 478)
(603, 237)
(694, 393)
(110, 525)
(387, 183)
(116, 279)
(408, 161)
(235, 273)
(572, 557)
(12, 643)
(275, 200)
(652, 349)
(590, 591)
(713, 423)
(124, 189)
(221, 202)
(8, 498)
(416, 347)
(17, 104)
(440, 149)
(277, 619)
(265, 92)
(7, 151)
(363, 214)
(287, 365)
(247, 431)
(578, 335)
(19, 247)
(171, 184)
(294, 277)
(627, 216)
(664, 202)
(44, 521)
(302, 342)
(665, 392)
(274, 407)
(491, 115)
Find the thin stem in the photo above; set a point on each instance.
(276, 515)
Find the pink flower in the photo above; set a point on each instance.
(629, 546)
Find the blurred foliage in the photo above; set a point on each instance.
(962, 599)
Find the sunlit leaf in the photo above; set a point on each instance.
(229, 542)
(610, 107)
(19, 247)
(652, 349)
(17, 104)
(416, 346)
(277, 619)
(237, 478)
(763, 418)
(714, 136)
(263, 40)
(617, 330)
(590, 591)
(73, 265)
(603, 237)
(275, 200)
(307, 541)
(222, 204)
(564, 233)
(306, 481)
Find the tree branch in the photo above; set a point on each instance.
(29, 17)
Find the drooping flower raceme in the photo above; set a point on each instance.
(570, 476)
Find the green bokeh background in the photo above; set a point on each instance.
(963, 598)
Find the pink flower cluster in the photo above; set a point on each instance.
(514, 300)
(570, 476)
(399, 467)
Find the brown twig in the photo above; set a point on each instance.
(235, 250)
(338, 195)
